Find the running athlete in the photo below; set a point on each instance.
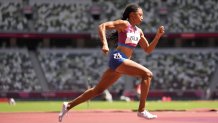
(129, 35)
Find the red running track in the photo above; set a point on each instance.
(111, 117)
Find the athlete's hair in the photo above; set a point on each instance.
(129, 8)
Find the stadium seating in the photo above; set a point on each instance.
(17, 73)
(173, 70)
(74, 16)
(78, 69)
(10, 17)
(180, 70)
(73, 69)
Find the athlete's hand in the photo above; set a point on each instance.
(105, 49)
(160, 31)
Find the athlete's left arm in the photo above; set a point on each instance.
(144, 42)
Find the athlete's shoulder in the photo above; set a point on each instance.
(123, 24)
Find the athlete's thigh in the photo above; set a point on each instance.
(109, 77)
(132, 68)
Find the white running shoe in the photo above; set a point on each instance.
(146, 114)
(63, 111)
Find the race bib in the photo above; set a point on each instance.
(132, 38)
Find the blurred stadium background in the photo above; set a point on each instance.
(49, 49)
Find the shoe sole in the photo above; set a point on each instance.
(61, 114)
(149, 118)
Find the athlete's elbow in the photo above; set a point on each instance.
(101, 27)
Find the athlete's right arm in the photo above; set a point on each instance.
(118, 25)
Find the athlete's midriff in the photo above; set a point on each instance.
(127, 51)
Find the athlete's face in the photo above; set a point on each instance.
(137, 16)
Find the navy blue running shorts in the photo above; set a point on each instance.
(116, 59)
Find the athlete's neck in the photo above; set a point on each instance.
(132, 23)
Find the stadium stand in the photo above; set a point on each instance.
(17, 73)
(77, 69)
(11, 18)
(72, 69)
(180, 69)
(74, 16)
(173, 69)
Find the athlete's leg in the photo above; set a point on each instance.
(108, 78)
(132, 68)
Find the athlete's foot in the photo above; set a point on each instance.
(147, 115)
(63, 111)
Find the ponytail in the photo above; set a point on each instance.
(130, 8)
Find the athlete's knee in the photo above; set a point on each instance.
(147, 75)
(150, 75)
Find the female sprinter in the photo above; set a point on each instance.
(129, 35)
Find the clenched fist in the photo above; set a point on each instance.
(160, 31)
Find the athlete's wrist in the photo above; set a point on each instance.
(157, 36)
